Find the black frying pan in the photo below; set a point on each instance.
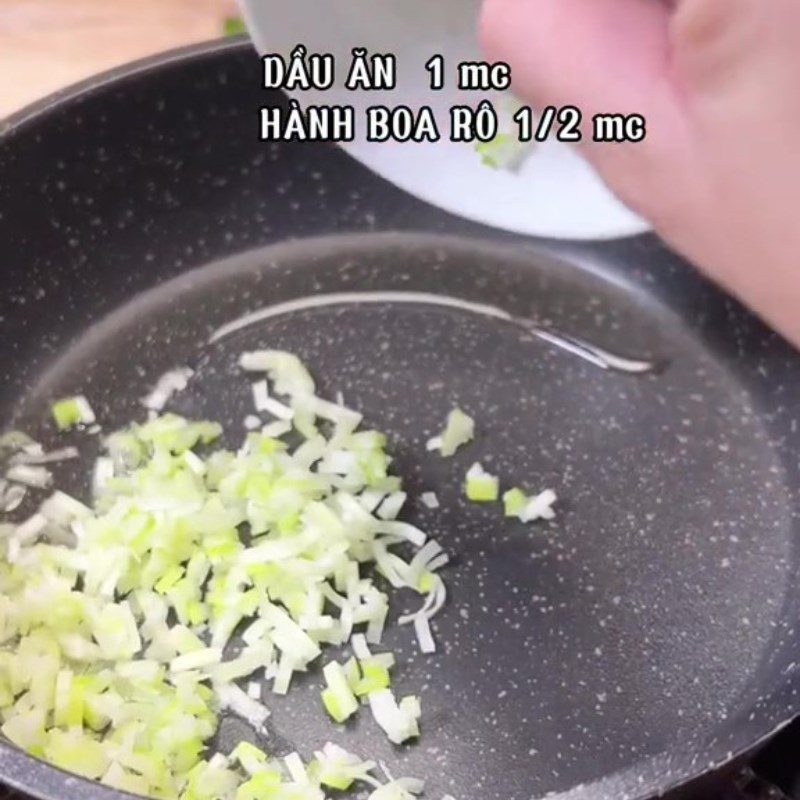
(648, 635)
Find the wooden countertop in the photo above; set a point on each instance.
(48, 44)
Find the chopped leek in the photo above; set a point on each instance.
(481, 487)
(398, 720)
(72, 411)
(338, 698)
(37, 477)
(529, 509)
(170, 383)
(233, 26)
(514, 500)
(430, 500)
(505, 152)
(117, 617)
(250, 757)
(375, 676)
(459, 430)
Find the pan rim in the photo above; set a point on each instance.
(30, 113)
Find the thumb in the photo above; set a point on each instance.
(603, 56)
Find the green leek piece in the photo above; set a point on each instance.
(459, 430)
(504, 151)
(77, 752)
(262, 785)
(233, 26)
(338, 698)
(117, 626)
(514, 501)
(72, 411)
(481, 487)
(250, 757)
(374, 676)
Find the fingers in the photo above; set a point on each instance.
(601, 55)
(605, 57)
(724, 44)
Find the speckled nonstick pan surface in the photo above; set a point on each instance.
(645, 635)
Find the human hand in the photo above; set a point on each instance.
(719, 84)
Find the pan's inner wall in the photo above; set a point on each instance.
(632, 625)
